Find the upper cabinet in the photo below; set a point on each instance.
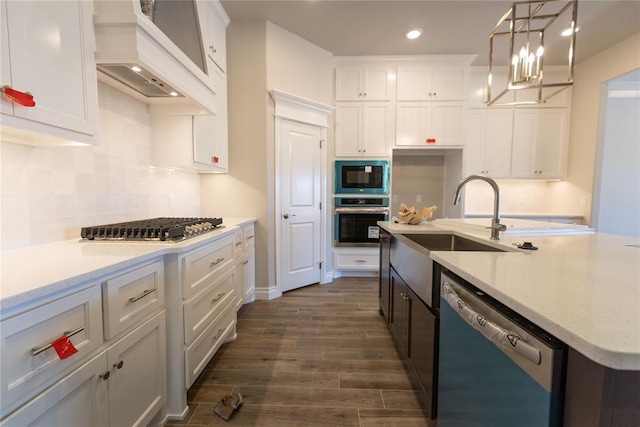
(488, 147)
(426, 83)
(363, 129)
(430, 123)
(214, 34)
(47, 52)
(364, 83)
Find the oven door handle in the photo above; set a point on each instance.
(362, 210)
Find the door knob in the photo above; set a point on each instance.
(285, 216)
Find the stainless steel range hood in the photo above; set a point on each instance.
(134, 55)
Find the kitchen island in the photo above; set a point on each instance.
(583, 288)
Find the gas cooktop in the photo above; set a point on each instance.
(155, 229)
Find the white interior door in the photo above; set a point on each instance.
(300, 205)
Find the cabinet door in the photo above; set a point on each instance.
(421, 351)
(348, 125)
(384, 294)
(413, 84)
(447, 123)
(488, 145)
(249, 276)
(539, 143)
(6, 106)
(137, 385)
(399, 317)
(203, 139)
(348, 83)
(377, 129)
(79, 399)
(216, 38)
(54, 61)
(449, 83)
(376, 85)
(413, 121)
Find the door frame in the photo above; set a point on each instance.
(290, 107)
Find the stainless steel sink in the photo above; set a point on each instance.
(449, 242)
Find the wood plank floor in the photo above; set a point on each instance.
(317, 356)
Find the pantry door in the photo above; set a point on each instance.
(300, 208)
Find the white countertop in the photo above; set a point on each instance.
(582, 288)
(37, 271)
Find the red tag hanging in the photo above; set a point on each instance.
(64, 347)
(23, 98)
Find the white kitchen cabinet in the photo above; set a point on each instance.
(363, 129)
(79, 399)
(214, 34)
(430, 123)
(197, 143)
(356, 259)
(48, 51)
(246, 265)
(137, 383)
(540, 138)
(488, 146)
(431, 83)
(364, 83)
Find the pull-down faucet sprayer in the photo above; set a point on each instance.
(496, 227)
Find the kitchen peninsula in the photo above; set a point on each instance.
(583, 288)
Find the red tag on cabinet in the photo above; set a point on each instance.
(23, 98)
(215, 159)
(431, 140)
(64, 347)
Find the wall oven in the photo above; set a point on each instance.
(362, 177)
(356, 219)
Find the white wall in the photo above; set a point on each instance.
(261, 57)
(585, 111)
(49, 193)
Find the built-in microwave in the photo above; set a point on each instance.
(362, 177)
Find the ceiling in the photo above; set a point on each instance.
(366, 27)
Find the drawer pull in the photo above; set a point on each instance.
(119, 365)
(238, 244)
(360, 260)
(68, 334)
(142, 295)
(105, 376)
(215, 338)
(245, 263)
(249, 237)
(216, 262)
(217, 298)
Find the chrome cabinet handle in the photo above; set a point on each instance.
(250, 237)
(360, 260)
(119, 365)
(37, 350)
(238, 244)
(216, 262)
(105, 376)
(217, 298)
(245, 263)
(215, 338)
(142, 295)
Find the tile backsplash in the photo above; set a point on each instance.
(49, 193)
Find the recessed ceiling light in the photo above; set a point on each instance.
(568, 32)
(136, 68)
(413, 34)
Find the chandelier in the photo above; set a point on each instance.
(522, 33)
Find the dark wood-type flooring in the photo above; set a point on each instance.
(317, 356)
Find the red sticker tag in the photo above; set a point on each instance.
(64, 347)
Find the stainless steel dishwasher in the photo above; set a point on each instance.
(496, 369)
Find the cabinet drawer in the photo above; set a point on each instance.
(199, 266)
(200, 310)
(249, 237)
(356, 261)
(130, 297)
(26, 370)
(198, 354)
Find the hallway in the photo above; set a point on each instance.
(318, 356)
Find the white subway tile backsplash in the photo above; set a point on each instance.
(49, 193)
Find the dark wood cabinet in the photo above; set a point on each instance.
(399, 316)
(384, 293)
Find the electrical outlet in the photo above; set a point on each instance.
(419, 198)
(583, 200)
(172, 201)
(395, 198)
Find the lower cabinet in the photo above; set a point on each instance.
(399, 316)
(384, 294)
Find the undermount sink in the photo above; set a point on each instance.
(449, 242)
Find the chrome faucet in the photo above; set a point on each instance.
(496, 227)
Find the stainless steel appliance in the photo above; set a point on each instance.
(362, 177)
(356, 219)
(165, 229)
(495, 368)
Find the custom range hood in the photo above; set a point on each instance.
(135, 53)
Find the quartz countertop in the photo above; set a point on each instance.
(38, 271)
(584, 288)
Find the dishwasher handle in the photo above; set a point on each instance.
(501, 337)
